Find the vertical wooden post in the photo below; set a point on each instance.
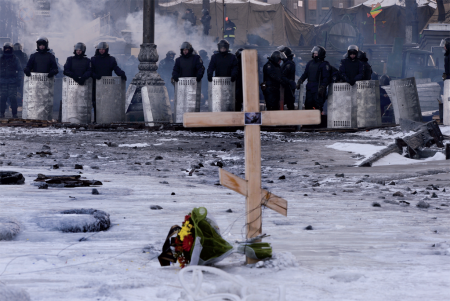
(252, 144)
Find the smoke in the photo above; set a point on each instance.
(67, 24)
(170, 34)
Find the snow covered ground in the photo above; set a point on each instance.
(355, 251)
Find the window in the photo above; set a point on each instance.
(300, 3)
(341, 5)
(295, 5)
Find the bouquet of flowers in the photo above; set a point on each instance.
(198, 242)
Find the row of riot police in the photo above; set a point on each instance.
(78, 67)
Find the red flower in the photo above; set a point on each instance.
(187, 243)
(187, 217)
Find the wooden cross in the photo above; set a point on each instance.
(251, 186)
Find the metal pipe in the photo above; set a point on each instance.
(149, 22)
(223, 21)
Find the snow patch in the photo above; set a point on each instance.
(279, 261)
(397, 159)
(366, 150)
(9, 228)
(13, 294)
(136, 145)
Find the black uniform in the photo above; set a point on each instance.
(239, 94)
(165, 70)
(223, 64)
(351, 70)
(190, 65)
(23, 59)
(367, 73)
(190, 21)
(447, 63)
(104, 65)
(78, 67)
(272, 80)
(288, 82)
(10, 79)
(206, 21)
(204, 56)
(42, 61)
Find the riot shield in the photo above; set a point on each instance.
(342, 107)
(446, 102)
(221, 95)
(76, 101)
(156, 104)
(110, 99)
(405, 100)
(38, 97)
(58, 94)
(367, 96)
(187, 97)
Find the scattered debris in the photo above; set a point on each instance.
(173, 193)
(423, 204)
(159, 158)
(229, 211)
(375, 204)
(43, 186)
(309, 228)
(316, 163)
(339, 175)
(392, 183)
(404, 203)
(9, 228)
(78, 166)
(95, 191)
(66, 181)
(398, 193)
(11, 178)
(392, 202)
(156, 207)
(434, 195)
(164, 182)
(283, 177)
(56, 166)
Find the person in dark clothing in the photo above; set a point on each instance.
(204, 56)
(206, 21)
(42, 61)
(223, 63)
(367, 74)
(10, 79)
(318, 74)
(165, 70)
(239, 94)
(272, 80)
(385, 101)
(78, 67)
(446, 44)
(288, 77)
(188, 64)
(351, 69)
(23, 59)
(103, 64)
(228, 32)
(190, 21)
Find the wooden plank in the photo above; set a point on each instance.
(233, 182)
(222, 119)
(291, 117)
(240, 185)
(250, 80)
(274, 202)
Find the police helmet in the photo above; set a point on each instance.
(188, 46)
(189, 10)
(239, 52)
(205, 11)
(79, 46)
(321, 52)
(170, 53)
(8, 45)
(362, 56)
(223, 43)
(42, 41)
(18, 47)
(102, 45)
(385, 80)
(203, 53)
(286, 50)
(277, 56)
(352, 49)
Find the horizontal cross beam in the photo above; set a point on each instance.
(269, 118)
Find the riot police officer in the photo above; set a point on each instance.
(288, 77)
(165, 70)
(22, 56)
(318, 73)
(204, 56)
(223, 63)
(10, 79)
(367, 74)
(351, 69)
(188, 64)
(239, 94)
(103, 64)
(78, 67)
(272, 80)
(42, 61)
(446, 45)
(190, 21)
(206, 21)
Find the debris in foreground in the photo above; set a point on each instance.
(66, 181)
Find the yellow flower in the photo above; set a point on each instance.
(185, 230)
